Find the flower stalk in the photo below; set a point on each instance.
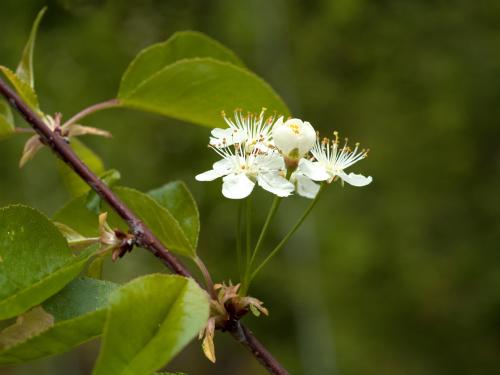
(270, 216)
(289, 234)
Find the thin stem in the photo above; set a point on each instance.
(24, 130)
(206, 276)
(265, 228)
(239, 245)
(248, 230)
(270, 215)
(143, 235)
(92, 109)
(289, 234)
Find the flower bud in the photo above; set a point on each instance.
(294, 138)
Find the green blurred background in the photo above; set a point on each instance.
(400, 277)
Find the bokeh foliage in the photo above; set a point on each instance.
(399, 277)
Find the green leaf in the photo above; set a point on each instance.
(197, 90)
(76, 215)
(25, 68)
(27, 325)
(71, 180)
(158, 218)
(23, 79)
(75, 315)
(6, 111)
(155, 332)
(94, 270)
(181, 45)
(35, 260)
(109, 177)
(176, 197)
(23, 88)
(7, 126)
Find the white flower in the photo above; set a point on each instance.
(294, 138)
(331, 160)
(240, 172)
(248, 157)
(250, 129)
(304, 186)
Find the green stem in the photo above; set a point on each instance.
(263, 232)
(92, 109)
(248, 231)
(289, 234)
(238, 237)
(265, 228)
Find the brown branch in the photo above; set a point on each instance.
(143, 236)
(245, 337)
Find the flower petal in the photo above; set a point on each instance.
(226, 137)
(220, 168)
(278, 122)
(276, 184)
(208, 175)
(355, 179)
(271, 161)
(314, 170)
(237, 186)
(220, 132)
(306, 187)
(223, 166)
(221, 137)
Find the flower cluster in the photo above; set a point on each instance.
(280, 156)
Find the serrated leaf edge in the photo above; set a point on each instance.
(20, 85)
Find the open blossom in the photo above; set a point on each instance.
(294, 137)
(248, 129)
(330, 161)
(247, 158)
